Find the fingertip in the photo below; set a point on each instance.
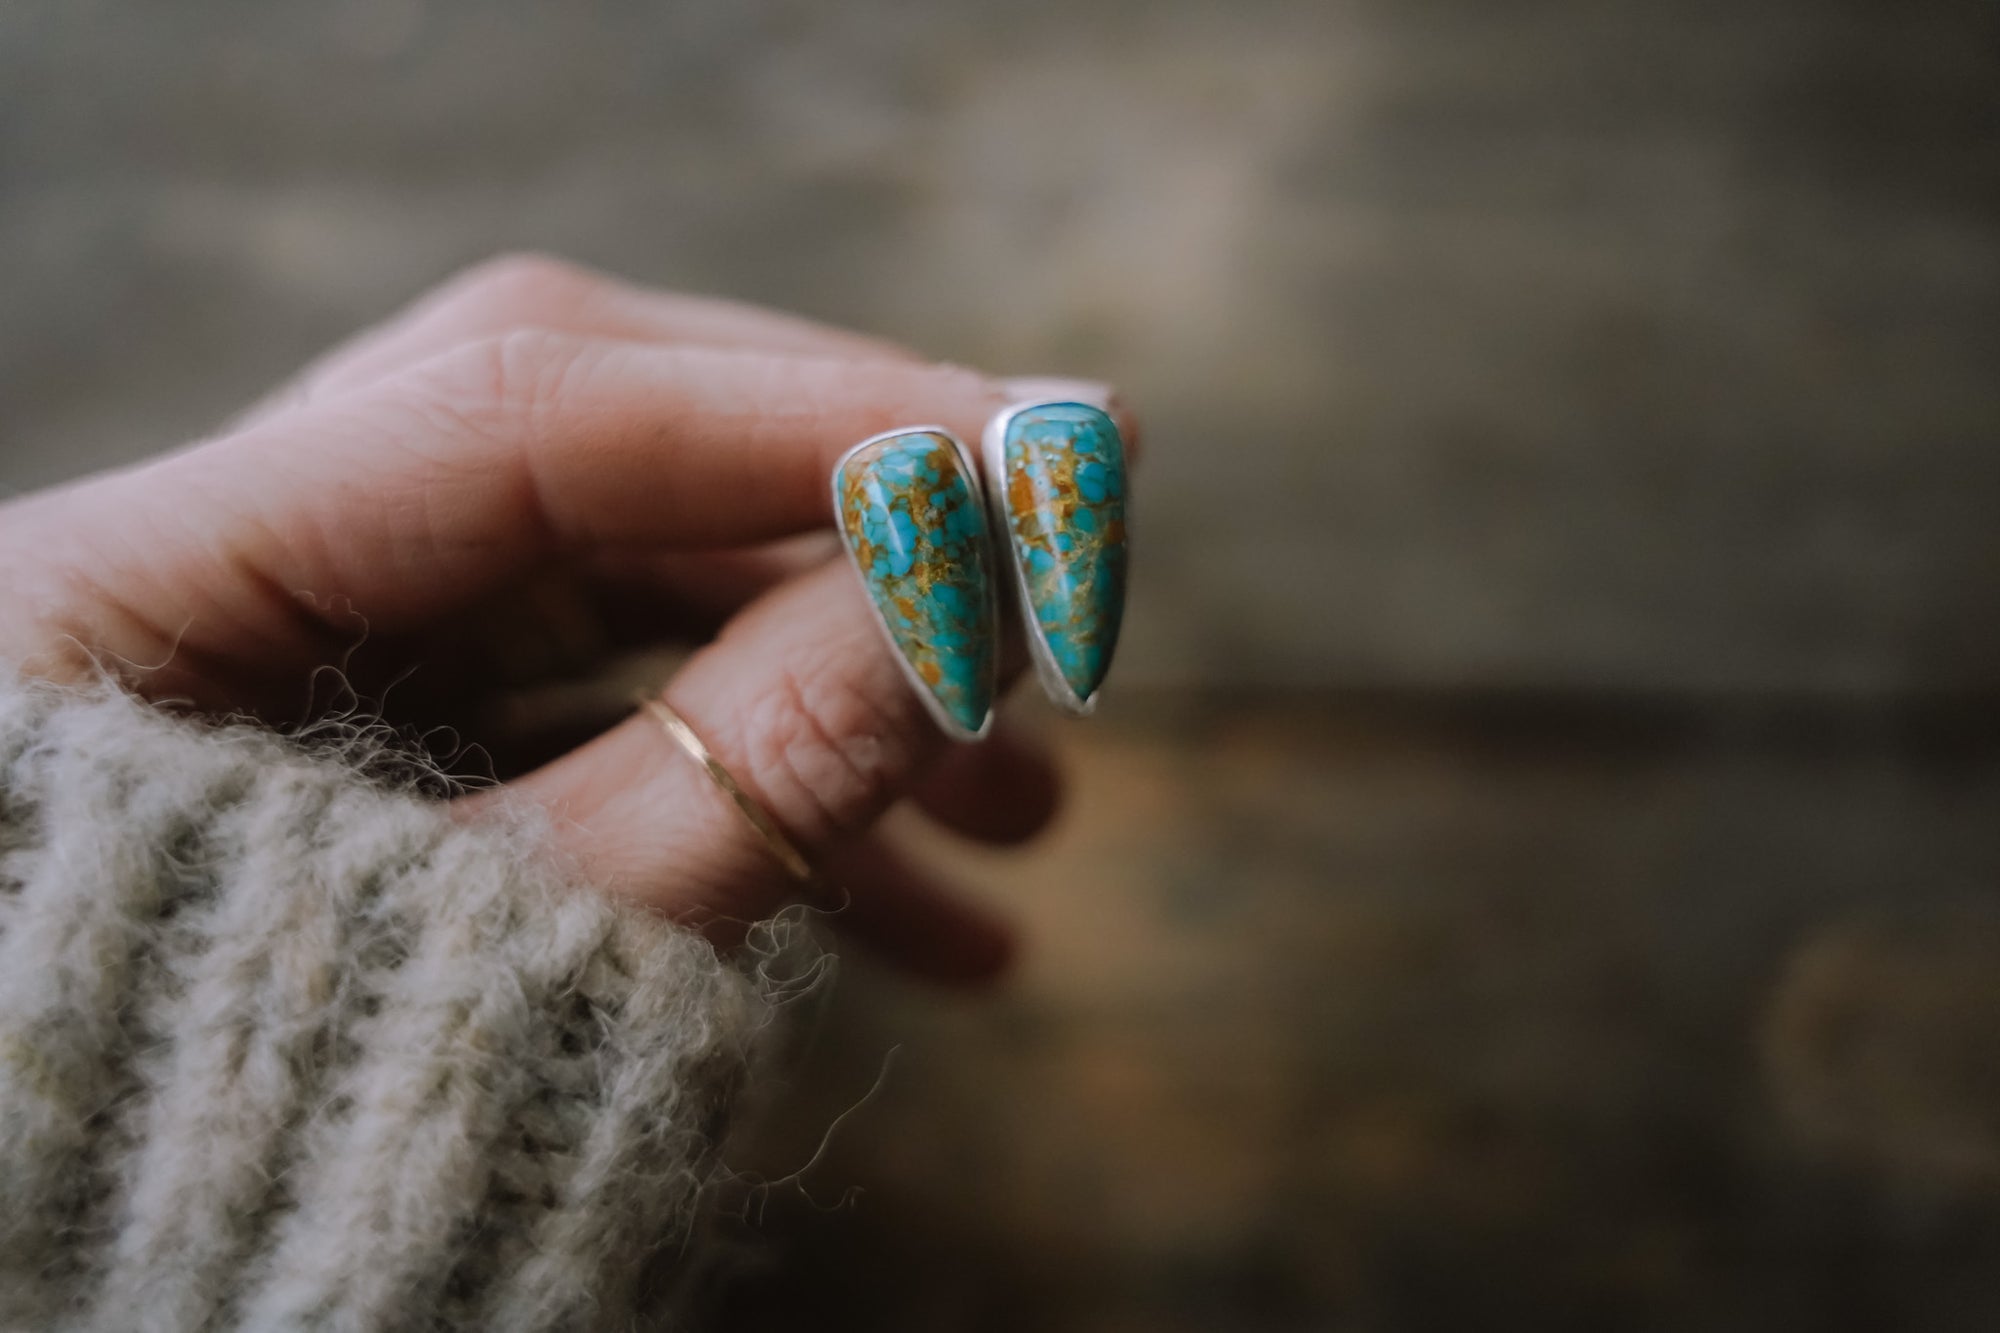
(990, 963)
(1127, 420)
(981, 953)
(1004, 792)
(914, 921)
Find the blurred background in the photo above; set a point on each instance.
(1539, 863)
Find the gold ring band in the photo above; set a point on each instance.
(783, 850)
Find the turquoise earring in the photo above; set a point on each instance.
(910, 510)
(1055, 472)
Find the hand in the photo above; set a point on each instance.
(536, 456)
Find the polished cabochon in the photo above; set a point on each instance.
(1057, 488)
(909, 507)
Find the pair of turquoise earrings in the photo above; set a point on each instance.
(929, 540)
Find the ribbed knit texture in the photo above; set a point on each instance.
(282, 1049)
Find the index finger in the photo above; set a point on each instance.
(425, 489)
(524, 291)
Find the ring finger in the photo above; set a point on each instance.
(804, 705)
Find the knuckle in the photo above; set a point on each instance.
(512, 378)
(531, 367)
(520, 286)
(825, 753)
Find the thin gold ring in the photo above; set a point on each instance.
(783, 850)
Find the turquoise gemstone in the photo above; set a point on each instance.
(911, 516)
(1064, 467)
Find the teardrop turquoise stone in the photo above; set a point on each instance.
(1064, 467)
(913, 520)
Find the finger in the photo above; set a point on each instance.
(567, 653)
(428, 490)
(554, 659)
(915, 920)
(641, 598)
(1002, 792)
(530, 291)
(803, 702)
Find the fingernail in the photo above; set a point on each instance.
(1057, 472)
(1025, 387)
(912, 516)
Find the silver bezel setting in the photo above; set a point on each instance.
(993, 449)
(948, 724)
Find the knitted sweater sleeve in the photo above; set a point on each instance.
(282, 1049)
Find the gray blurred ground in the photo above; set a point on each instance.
(1545, 867)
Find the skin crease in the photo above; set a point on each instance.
(530, 468)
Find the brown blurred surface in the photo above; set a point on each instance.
(1539, 863)
(1511, 1014)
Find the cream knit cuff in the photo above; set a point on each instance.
(282, 1049)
